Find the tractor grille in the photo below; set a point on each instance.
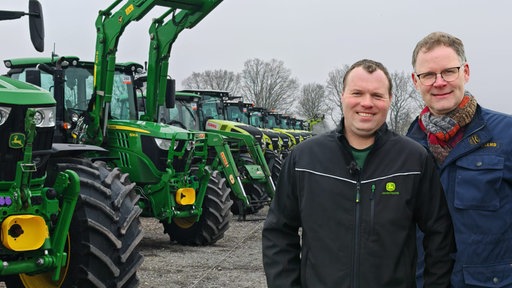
(159, 156)
(9, 156)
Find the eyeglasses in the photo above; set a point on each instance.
(448, 75)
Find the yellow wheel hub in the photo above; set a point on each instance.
(44, 280)
(184, 223)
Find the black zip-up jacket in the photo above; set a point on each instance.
(358, 226)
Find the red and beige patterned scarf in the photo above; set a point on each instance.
(445, 131)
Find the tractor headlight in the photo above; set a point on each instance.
(190, 145)
(45, 116)
(74, 117)
(165, 144)
(4, 114)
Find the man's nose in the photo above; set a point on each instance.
(367, 100)
(439, 80)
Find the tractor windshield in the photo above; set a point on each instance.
(272, 123)
(79, 89)
(183, 114)
(234, 114)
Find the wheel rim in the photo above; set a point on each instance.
(184, 223)
(44, 280)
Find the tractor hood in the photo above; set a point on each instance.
(21, 93)
(153, 129)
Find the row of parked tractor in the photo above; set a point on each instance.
(89, 147)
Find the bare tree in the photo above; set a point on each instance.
(214, 80)
(334, 88)
(269, 84)
(405, 105)
(312, 102)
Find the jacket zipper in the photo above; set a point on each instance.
(372, 209)
(355, 275)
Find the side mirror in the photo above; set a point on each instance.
(141, 104)
(170, 93)
(36, 24)
(220, 108)
(264, 119)
(241, 106)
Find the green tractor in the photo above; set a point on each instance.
(182, 177)
(249, 145)
(189, 113)
(238, 111)
(316, 121)
(249, 197)
(295, 125)
(66, 221)
(274, 121)
(300, 124)
(260, 117)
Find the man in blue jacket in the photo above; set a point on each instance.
(473, 151)
(358, 193)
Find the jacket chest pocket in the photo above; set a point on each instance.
(493, 275)
(477, 183)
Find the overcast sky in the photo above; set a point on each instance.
(311, 37)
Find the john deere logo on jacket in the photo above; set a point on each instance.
(390, 189)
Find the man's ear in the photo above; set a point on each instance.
(466, 72)
(414, 80)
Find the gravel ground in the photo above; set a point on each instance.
(232, 262)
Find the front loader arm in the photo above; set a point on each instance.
(163, 34)
(109, 28)
(227, 165)
(110, 25)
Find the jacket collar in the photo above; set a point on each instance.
(475, 135)
(380, 134)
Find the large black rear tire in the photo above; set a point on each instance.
(275, 163)
(104, 233)
(214, 221)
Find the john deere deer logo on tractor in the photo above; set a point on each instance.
(17, 140)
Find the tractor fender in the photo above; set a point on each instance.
(75, 149)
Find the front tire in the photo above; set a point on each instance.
(213, 222)
(104, 233)
(275, 163)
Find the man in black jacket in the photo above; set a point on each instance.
(358, 193)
